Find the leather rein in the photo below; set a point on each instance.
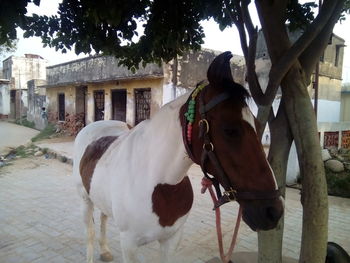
(208, 154)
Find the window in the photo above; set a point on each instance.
(99, 98)
(61, 107)
(142, 104)
(337, 53)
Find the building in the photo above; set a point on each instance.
(98, 88)
(19, 70)
(329, 79)
(331, 109)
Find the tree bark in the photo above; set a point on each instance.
(270, 242)
(314, 196)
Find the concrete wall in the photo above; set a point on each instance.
(332, 127)
(23, 69)
(52, 101)
(36, 102)
(293, 164)
(96, 69)
(129, 86)
(186, 71)
(328, 111)
(345, 103)
(330, 74)
(4, 98)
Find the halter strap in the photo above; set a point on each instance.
(213, 102)
(230, 194)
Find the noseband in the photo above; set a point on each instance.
(208, 152)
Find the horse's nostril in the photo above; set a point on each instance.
(273, 214)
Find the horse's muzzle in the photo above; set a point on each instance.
(262, 214)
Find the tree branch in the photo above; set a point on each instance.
(279, 69)
(311, 55)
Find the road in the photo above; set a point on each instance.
(40, 219)
(13, 135)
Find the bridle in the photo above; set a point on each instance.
(208, 154)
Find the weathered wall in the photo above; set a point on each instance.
(80, 78)
(332, 126)
(96, 69)
(345, 103)
(330, 73)
(129, 86)
(23, 69)
(4, 98)
(52, 102)
(329, 67)
(191, 68)
(36, 102)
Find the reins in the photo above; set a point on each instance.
(225, 258)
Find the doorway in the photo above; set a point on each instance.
(119, 105)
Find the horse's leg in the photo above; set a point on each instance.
(106, 255)
(129, 248)
(168, 246)
(89, 223)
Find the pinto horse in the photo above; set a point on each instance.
(138, 176)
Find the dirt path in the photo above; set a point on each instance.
(13, 135)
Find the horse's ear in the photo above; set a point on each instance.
(219, 71)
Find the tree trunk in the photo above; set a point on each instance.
(314, 196)
(270, 242)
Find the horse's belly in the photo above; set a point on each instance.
(100, 192)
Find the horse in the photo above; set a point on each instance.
(138, 177)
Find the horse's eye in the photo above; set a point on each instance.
(232, 132)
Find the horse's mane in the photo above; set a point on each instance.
(219, 76)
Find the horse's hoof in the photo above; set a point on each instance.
(106, 257)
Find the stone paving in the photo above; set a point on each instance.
(40, 220)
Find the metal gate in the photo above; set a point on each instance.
(142, 104)
(99, 98)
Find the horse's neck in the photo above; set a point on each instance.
(168, 153)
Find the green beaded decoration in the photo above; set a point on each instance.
(191, 110)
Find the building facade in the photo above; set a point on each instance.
(98, 88)
(329, 79)
(19, 70)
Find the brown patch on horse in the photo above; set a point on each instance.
(92, 154)
(170, 202)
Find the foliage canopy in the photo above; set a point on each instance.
(168, 27)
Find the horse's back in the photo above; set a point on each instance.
(92, 133)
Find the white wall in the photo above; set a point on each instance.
(4, 99)
(328, 111)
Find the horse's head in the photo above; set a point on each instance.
(221, 136)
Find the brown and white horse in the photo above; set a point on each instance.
(138, 176)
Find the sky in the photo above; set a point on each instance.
(215, 39)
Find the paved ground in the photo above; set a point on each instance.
(40, 220)
(12, 135)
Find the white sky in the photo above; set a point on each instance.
(215, 39)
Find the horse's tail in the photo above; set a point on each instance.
(219, 71)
